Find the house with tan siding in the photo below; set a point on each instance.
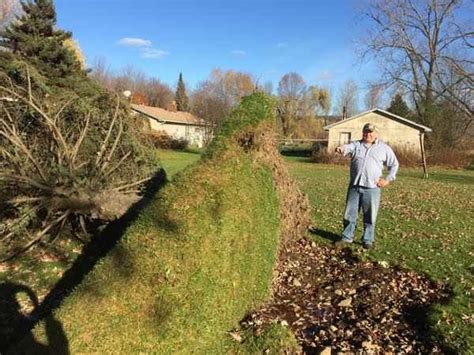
(394, 130)
(177, 125)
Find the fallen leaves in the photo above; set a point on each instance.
(345, 303)
(236, 336)
(333, 300)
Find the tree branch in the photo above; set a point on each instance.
(36, 239)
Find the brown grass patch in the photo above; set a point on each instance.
(451, 158)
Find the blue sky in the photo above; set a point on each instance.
(266, 38)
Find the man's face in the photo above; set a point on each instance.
(369, 136)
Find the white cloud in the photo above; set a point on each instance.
(325, 75)
(144, 46)
(152, 53)
(282, 45)
(134, 42)
(238, 52)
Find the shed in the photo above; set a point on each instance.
(178, 125)
(394, 130)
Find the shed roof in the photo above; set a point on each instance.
(385, 114)
(163, 115)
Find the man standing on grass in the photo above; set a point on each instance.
(368, 156)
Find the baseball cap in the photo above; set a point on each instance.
(369, 127)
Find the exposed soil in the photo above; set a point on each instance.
(333, 300)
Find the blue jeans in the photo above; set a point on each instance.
(361, 198)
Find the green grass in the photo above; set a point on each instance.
(195, 261)
(41, 269)
(424, 225)
(174, 161)
(274, 339)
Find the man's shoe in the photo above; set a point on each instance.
(366, 246)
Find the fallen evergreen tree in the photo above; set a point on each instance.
(64, 162)
(71, 156)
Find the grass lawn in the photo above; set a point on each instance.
(424, 225)
(198, 256)
(40, 269)
(174, 161)
(185, 272)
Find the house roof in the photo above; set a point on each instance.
(163, 115)
(385, 114)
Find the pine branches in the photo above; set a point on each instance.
(74, 167)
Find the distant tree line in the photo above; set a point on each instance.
(424, 48)
(214, 98)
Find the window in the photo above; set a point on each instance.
(344, 137)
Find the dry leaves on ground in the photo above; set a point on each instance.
(330, 298)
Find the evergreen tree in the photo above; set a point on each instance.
(34, 39)
(182, 101)
(398, 106)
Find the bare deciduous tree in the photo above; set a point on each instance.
(293, 95)
(159, 94)
(426, 47)
(373, 96)
(100, 71)
(297, 101)
(215, 97)
(348, 98)
(291, 86)
(151, 91)
(231, 86)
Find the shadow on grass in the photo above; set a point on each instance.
(332, 237)
(99, 246)
(297, 159)
(14, 322)
(462, 177)
(419, 318)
